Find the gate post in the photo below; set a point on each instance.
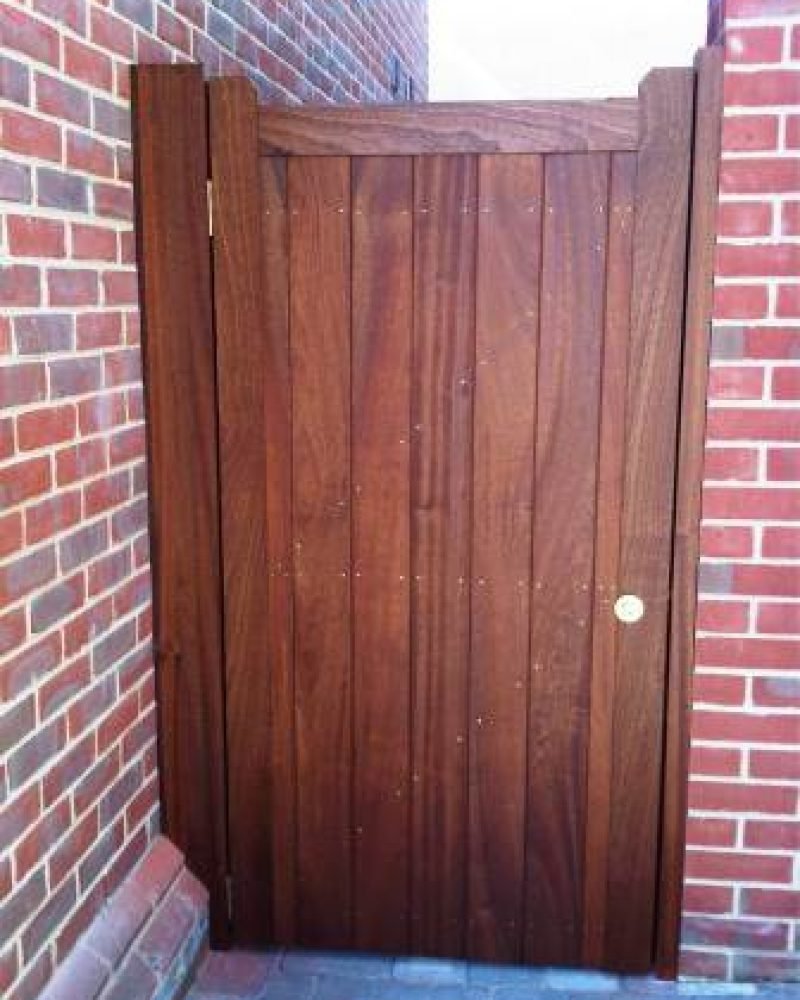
(171, 168)
(699, 292)
(242, 332)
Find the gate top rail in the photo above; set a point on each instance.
(480, 127)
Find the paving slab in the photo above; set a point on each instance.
(325, 963)
(235, 973)
(309, 975)
(430, 970)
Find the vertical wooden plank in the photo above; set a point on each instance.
(652, 405)
(707, 120)
(171, 155)
(442, 391)
(381, 332)
(507, 314)
(241, 361)
(610, 470)
(278, 500)
(319, 203)
(570, 351)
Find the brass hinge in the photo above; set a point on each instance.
(229, 897)
(210, 202)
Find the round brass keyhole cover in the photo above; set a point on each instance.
(629, 608)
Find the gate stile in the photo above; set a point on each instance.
(439, 435)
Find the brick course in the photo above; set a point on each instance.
(78, 789)
(742, 903)
(145, 941)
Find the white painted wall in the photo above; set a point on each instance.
(535, 49)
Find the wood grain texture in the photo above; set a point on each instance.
(319, 203)
(241, 362)
(707, 122)
(507, 326)
(610, 472)
(660, 237)
(278, 499)
(570, 351)
(439, 441)
(445, 190)
(485, 127)
(175, 293)
(381, 387)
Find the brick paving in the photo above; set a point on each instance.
(294, 975)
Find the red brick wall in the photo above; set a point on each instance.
(78, 791)
(743, 868)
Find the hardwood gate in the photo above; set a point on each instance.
(405, 461)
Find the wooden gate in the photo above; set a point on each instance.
(405, 461)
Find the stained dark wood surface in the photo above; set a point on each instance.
(568, 408)
(699, 294)
(464, 420)
(176, 294)
(445, 194)
(241, 355)
(382, 241)
(319, 317)
(278, 607)
(654, 356)
(486, 719)
(610, 496)
(507, 329)
(481, 127)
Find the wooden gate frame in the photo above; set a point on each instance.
(174, 112)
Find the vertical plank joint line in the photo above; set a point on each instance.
(293, 577)
(470, 549)
(352, 832)
(525, 914)
(413, 439)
